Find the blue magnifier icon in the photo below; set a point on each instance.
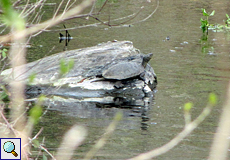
(9, 147)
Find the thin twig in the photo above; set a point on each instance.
(24, 8)
(16, 3)
(43, 148)
(35, 137)
(101, 142)
(32, 8)
(66, 6)
(148, 15)
(59, 6)
(71, 5)
(7, 123)
(40, 149)
(18, 118)
(220, 146)
(108, 22)
(91, 11)
(175, 141)
(72, 139)
(103, 6)
(38, 14)
(49, 23)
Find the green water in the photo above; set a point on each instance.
(188, 69)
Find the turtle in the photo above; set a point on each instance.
(127, 69)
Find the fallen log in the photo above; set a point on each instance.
(95, 77)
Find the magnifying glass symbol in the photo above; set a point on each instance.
(9, 147)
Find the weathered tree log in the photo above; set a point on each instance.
(85, 82)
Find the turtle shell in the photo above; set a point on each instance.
(123, 70)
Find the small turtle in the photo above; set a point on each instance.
(128, 69)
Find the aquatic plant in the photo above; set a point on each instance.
(227, 21)
(206, 25)
(205, 22)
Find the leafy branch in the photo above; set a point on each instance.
(205, 22)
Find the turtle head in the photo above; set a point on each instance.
(146, 59)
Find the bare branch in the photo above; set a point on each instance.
(59, 6)
(220, 146)
(101, 142)
(49, 23)
(175, 141)
(103, 6)
(148, 15)
(7, 123)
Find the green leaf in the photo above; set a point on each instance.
(188, 106)
(41, 98)
(227, 16)
(3, 55)
(71, 64)
(35, 113)
(204, 12)
(6, 5)
(32, 77)
(10, 17)
(212, 98)
(201, 20)
(44, 157)
(65, 67)
(212, 14)
(36, 143)
(204, 22)
(4, 97)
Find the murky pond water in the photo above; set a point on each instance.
(188, 69)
